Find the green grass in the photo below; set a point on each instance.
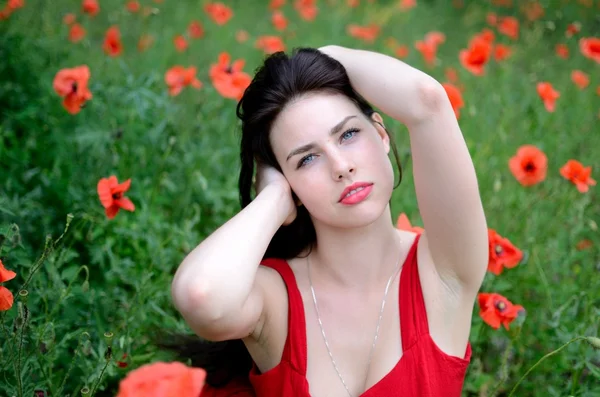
(182, 155)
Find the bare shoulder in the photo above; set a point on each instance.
(448, 302)
(266, 343)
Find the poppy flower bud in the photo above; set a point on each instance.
(594, 341)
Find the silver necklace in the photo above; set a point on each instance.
(314, 296)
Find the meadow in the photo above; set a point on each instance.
(142, 91)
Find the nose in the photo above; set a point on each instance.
(341, 166)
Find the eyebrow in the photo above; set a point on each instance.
(334, 130)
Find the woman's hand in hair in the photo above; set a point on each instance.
(267, 176)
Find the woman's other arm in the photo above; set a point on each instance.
(444, 176)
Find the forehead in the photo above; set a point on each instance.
(308, 119)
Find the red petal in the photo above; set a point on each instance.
(6, 274)
(104, 189)
(490, 317)
(6, 298)
(125, 203)
(123, 187)
(112, 211)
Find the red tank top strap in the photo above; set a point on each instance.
(413, 316)
(295, 347)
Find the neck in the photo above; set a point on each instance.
(356, 258)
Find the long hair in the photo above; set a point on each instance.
(280, 80)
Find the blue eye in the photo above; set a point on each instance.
(349, 133)
(303, 160)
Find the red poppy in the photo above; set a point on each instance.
(180, 43)
(160, 379)
(76, 33)
(491, 19)
(133, 6)
(533, 11)
(580, 79)
(455, 97)
(228, 79)
(476, 56)
(279, 20)
(487, 35)
(15, 4)
(428, 47)
(579, 175)
(90, 7)
(573, 29)
(69, 18)
(275, 4)
(502, 253)
(307, 9)
(111, 194)
(72, 85)
(562, 50)
(122, 363)
(218, 12)
(367, 34)
(401, 51)
(145, 42)
(270, 44)
(548, 95)
(590, 48)
(196, 30)
(5, 13)
(496, 310)
(451, 74)
(529, 166)
(509, 26)
(501, 52)
(584, 244)
(407, 4)
(403, 223)
(112, 42)
(179, 77)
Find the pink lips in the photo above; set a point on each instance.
(358, 196)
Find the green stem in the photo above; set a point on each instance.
(542, 359)
(99, 379)
(503, 369)
(46, 376)
(18, 364)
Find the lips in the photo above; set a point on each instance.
(356, 185)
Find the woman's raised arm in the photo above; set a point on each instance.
(445, 180)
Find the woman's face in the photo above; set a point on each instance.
(320, 161)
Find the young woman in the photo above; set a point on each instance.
(327, 296)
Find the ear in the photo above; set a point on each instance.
(380, 128)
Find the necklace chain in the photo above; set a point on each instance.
(314, 296)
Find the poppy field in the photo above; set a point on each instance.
(119, 153)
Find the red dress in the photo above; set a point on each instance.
(423, 370)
